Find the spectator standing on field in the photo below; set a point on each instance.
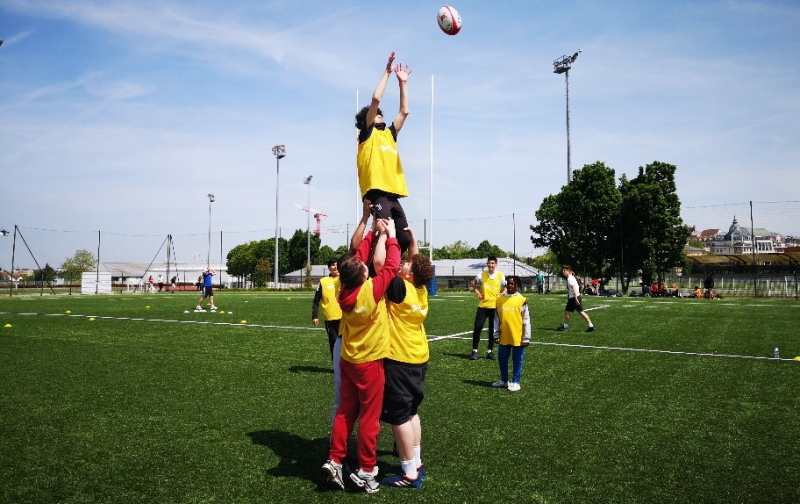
(709, 285)
(150, 287)
(540, 282)
(208, 290)
(160, 283)
(365, 343)
(173, 283)
(326, 296)
(512, 334)
(488, 286)
(407, 364)
(573, 300)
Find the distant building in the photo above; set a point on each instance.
(740, 240)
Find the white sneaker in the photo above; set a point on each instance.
(513, 386)
(499, 384)
(213, 308)
(199, 309)
(333, 471)
(366, 480)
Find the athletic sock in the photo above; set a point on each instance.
(417, 455)
(409, 468)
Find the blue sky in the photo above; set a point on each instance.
(122, 115)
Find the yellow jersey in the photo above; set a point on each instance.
(407, 339)
(379, 165)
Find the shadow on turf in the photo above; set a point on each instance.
(479, 383)
(310, 369)
(303, 458)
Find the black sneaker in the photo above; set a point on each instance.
(474, 355)
(590, 329)
(490, 355)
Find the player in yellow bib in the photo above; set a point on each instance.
(406, 365)
(512, 334)
(488, 286)
(380, 172)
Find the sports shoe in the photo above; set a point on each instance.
(490, 355)
(402, 481)
(198, 309)
(333, 472)
(474, 355)
(513, 386)
(213, 308)
(499, 384)
(365, 480)
(590, 329)
(399, 470)
(561, 328)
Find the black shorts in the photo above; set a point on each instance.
(208, 292)
(572, 306)
(403, 392)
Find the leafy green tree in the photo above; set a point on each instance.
(547, 262)
(81, 261)
(326, 253)
(457, 250)
(576, 224)
(486, 249)
(651, 234)
(262, 273)
(46, 274)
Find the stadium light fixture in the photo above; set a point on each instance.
(280, 152)
(562, 65)
(208, 258)
(307, 181)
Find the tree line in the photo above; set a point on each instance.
(603, 230)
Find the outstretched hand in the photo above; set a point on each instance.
(402, 71)
(389, 63)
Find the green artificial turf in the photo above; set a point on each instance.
(670, 400)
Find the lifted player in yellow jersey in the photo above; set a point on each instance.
(380, 172)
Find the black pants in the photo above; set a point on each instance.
(386, 206)
(480, 319)
(332, 328)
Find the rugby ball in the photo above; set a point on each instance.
(449, 20)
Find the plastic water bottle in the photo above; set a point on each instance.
(777, 353)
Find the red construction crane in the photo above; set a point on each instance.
(318, 216)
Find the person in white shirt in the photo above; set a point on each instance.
(573, 300)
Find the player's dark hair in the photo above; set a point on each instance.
(422, 269)
(516, 279)
(491, 258)
(351, 272)
(331, 262)
(361, 117)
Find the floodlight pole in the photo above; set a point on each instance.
(208, 258)
(562, 65)
(307, 181)
(280, 152)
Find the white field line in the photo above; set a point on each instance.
(431, 338)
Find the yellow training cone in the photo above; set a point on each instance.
(7, 325)
(68, 312)
(243, 322)
(91, 319)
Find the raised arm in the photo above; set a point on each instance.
(358, 234)
(413, 249)
(402, 72)
(377, 95)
